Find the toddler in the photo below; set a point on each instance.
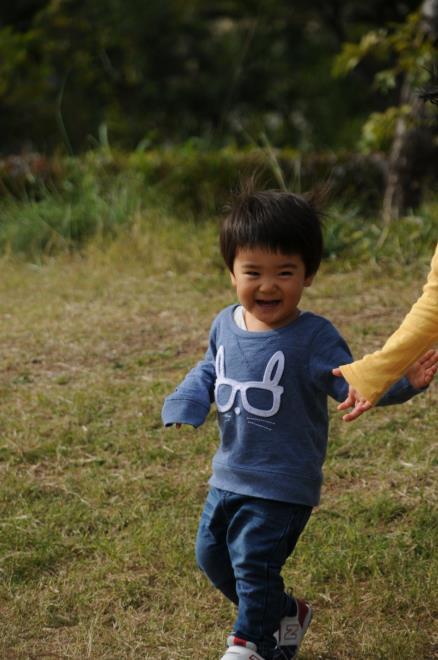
(268, 368)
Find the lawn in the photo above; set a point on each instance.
(99, 504)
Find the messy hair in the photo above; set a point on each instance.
(275, 221)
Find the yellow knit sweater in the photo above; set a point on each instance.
(374, 373)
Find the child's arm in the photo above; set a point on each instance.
(374, 373)
(419, 375)
(412, 383)
(328, 346)
(190, 402)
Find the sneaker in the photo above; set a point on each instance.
(292, 630)
(240, 649)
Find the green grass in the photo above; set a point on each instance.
(99, 504)
(100, 197)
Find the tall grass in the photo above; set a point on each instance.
(64, 219)
(100, 198)
(354, 238)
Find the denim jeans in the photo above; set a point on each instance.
(242, 545)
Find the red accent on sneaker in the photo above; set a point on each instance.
(239, 642)
(302, 608)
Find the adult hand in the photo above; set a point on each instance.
(354, 400)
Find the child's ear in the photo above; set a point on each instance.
(308, 280)
(233, 278)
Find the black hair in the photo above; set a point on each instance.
(274, 220)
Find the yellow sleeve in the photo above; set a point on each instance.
(374, 373)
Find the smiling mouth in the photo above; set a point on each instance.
(268, 303)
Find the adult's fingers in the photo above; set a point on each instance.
(357, 412)
(349, 402)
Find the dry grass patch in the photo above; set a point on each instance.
(99, 504)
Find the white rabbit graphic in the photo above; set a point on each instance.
(271, 377)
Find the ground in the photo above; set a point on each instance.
(99, 504)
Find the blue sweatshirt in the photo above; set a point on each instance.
(270, 390)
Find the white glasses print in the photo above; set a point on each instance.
(227, 388)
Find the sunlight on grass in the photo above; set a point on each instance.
(99, 504)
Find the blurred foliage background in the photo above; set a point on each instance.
(180, 98)
(143, 74)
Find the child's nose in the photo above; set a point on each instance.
(267, 284)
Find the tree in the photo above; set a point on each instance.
(165, 71)
(408, 50)
(413, 152)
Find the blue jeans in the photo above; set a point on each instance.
(242, 545)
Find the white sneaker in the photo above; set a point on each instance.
(240, 649)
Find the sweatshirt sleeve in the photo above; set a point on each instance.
(400, 392)
(374, 373)
(330, 346)
(327, 347)
(190, 402)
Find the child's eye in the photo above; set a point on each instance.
(286, 273)
(252, 273)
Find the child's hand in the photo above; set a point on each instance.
(423, 370)
(354, 400)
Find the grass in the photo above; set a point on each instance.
(99, 504)
(99, 197)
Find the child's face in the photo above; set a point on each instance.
(269, 286)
